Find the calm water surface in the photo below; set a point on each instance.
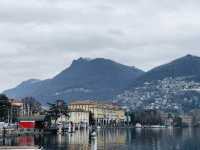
(115, 139)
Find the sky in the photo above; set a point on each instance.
(39, 38)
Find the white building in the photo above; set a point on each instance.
(79, 117)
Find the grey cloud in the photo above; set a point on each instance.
(39, 38)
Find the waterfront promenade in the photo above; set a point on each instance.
(20, 148)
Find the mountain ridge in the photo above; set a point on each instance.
(84, 79)
(175, 68)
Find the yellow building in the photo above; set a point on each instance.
(103, 113)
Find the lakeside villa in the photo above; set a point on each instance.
(102, 113)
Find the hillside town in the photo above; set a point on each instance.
(170, 94)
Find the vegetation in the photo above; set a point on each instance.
(155, 117)
(195, 117)
(147, 117)
(4, 108)
(91, 119)
(32, 105)
(177, 121)
(57, 109)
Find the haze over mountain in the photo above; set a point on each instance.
(99, 79)
(175, 85)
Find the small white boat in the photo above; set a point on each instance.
(98, 127)
(93, 134)
(138, 125)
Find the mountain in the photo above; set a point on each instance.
(187, 67)
(99, 79)
(173, 86)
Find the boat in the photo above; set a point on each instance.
(93, 134)
(138, 125)
(98, 127)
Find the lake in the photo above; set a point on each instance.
(114, 139)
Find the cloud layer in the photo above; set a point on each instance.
(39, 38)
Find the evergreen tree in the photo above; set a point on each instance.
(57, 109)
(4, 108)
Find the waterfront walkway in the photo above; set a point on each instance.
(20, 147)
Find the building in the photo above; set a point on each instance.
(16, 109)
(166, 118)
(187, 120)
(79, 117)
(34, 122)
(102, 113)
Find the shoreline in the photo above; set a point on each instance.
(19, 132)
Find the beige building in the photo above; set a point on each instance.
(103, 113)
(16, 109)
(79, 117)
(19, 109)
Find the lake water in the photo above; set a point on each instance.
(115, 139)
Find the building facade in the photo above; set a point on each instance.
(187, 120)
(16, 110)
(19, 109)
(79, 117)
(102, 113)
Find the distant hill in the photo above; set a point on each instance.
(173, 86)
(99, 79)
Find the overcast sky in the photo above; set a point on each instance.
(39, 38)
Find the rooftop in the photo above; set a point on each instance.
(101, 104)
(85, 102)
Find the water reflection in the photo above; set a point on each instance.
(114, 139)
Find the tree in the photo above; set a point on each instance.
(195, 117)
(3, 97)
(57, 109)
(91, 119)
(4, 107)
(31, 105)
(146, 117)
(177, 121)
